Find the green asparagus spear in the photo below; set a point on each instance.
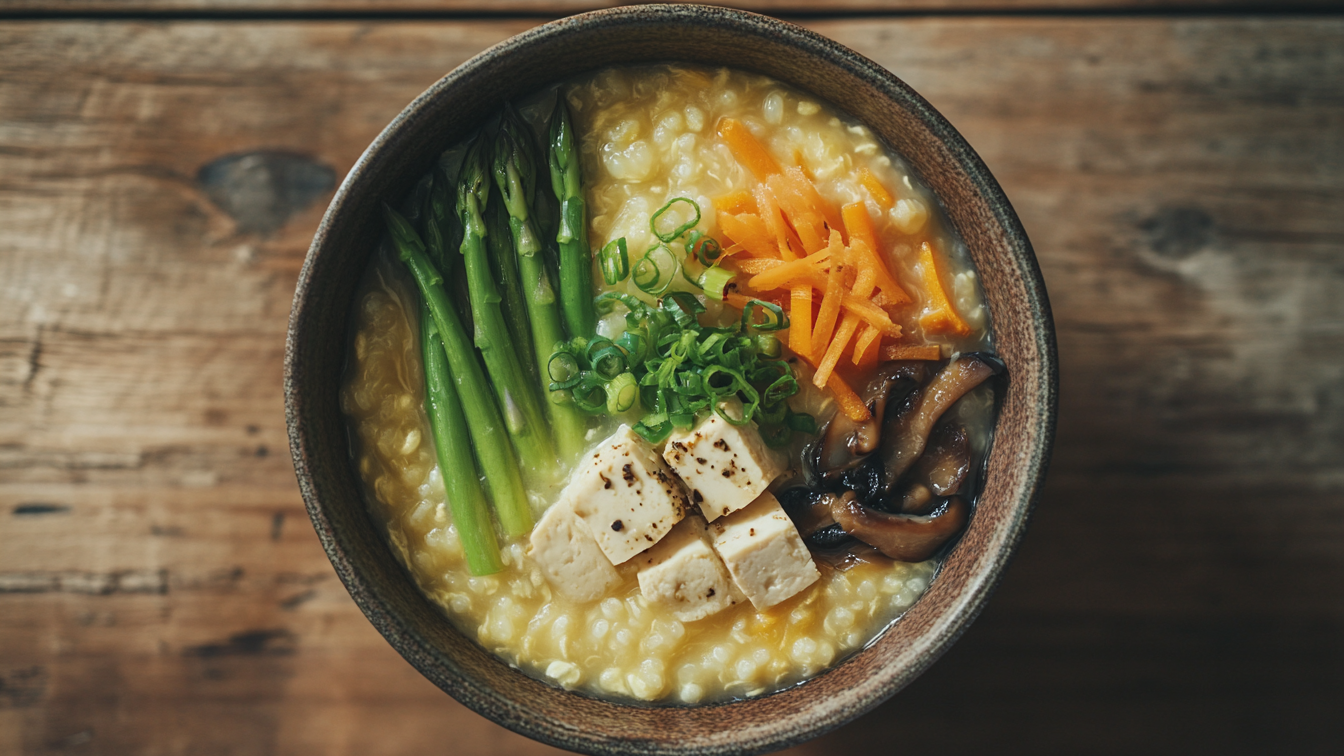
(505, 267)
(576, 260)
(515, 172)
(520, 398)
(452, 443)
(498, 464)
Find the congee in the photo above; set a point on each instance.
(672, 384)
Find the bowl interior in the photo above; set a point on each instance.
(448, 112)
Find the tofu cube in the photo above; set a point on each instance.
(763, 552)
(683, 573)
(625, 495)
(724, 466)
(569, 557)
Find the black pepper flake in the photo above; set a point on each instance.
(696, 497)
(727, 473)
(710, 594)
(617, 526)
(628, 472)
(721, 444)
(701, 460)
(606, 482)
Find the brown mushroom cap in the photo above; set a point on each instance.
(907, 538)
(846, 443)
(905, 433)
(940, 471)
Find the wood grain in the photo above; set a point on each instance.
(162, 592)
(557, 8)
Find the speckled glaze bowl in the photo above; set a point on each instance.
(449, 111)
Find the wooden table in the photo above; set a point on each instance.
(1181, 175)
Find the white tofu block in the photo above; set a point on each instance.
(763, 552)
(569, 557)
(625, 495)
(724, 466)
(683, 573)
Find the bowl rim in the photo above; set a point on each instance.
(803, 725)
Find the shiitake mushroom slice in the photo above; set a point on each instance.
(906, 431)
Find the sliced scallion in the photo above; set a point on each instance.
(669, 237)
(615, 261)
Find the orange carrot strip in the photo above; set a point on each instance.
(863, 287)
(800, 321)
(749, 231)
(912, 352)
(866, 279)
(774, 222)
(804, 186)
(791, 273)
(860, 226)
(867, 347)
(802, 214)
(939, 316)
(872, 314)
(880, 194)
(800, 200)
(747, 149)
(735, 203)
(833, 352)
(737, 300)
(849, 402)
(830, 303)
(753, 265)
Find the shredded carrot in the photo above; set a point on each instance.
(837, 347)
(806, 221)
(800, 321)
(830, 302)
(774, 222)
(792, 273)
(753, 265)
(747, 149)
(860, 226)
(867, 347)
(939, 316)
(872, 314)
(735, 203)
(849, 402)
(802, 186)
(880, 194)
(866, 278)
(749, 231)
(912, 352)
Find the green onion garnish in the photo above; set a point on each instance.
(668, 238)
(622, 393)
(615, 261)
(654, 272)
(713, 281)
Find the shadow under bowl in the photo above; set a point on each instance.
(448, 112)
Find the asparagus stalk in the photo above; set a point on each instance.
(576, 259)
(498, 464)
(519, 398)
(515, 175)
(505, 267)
(427, 208)
(452, 443)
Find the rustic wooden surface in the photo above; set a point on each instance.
(1181, 589)
(224, 8)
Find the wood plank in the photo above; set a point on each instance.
(161, 590)
(558, 8)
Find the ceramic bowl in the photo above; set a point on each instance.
(449, 111)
